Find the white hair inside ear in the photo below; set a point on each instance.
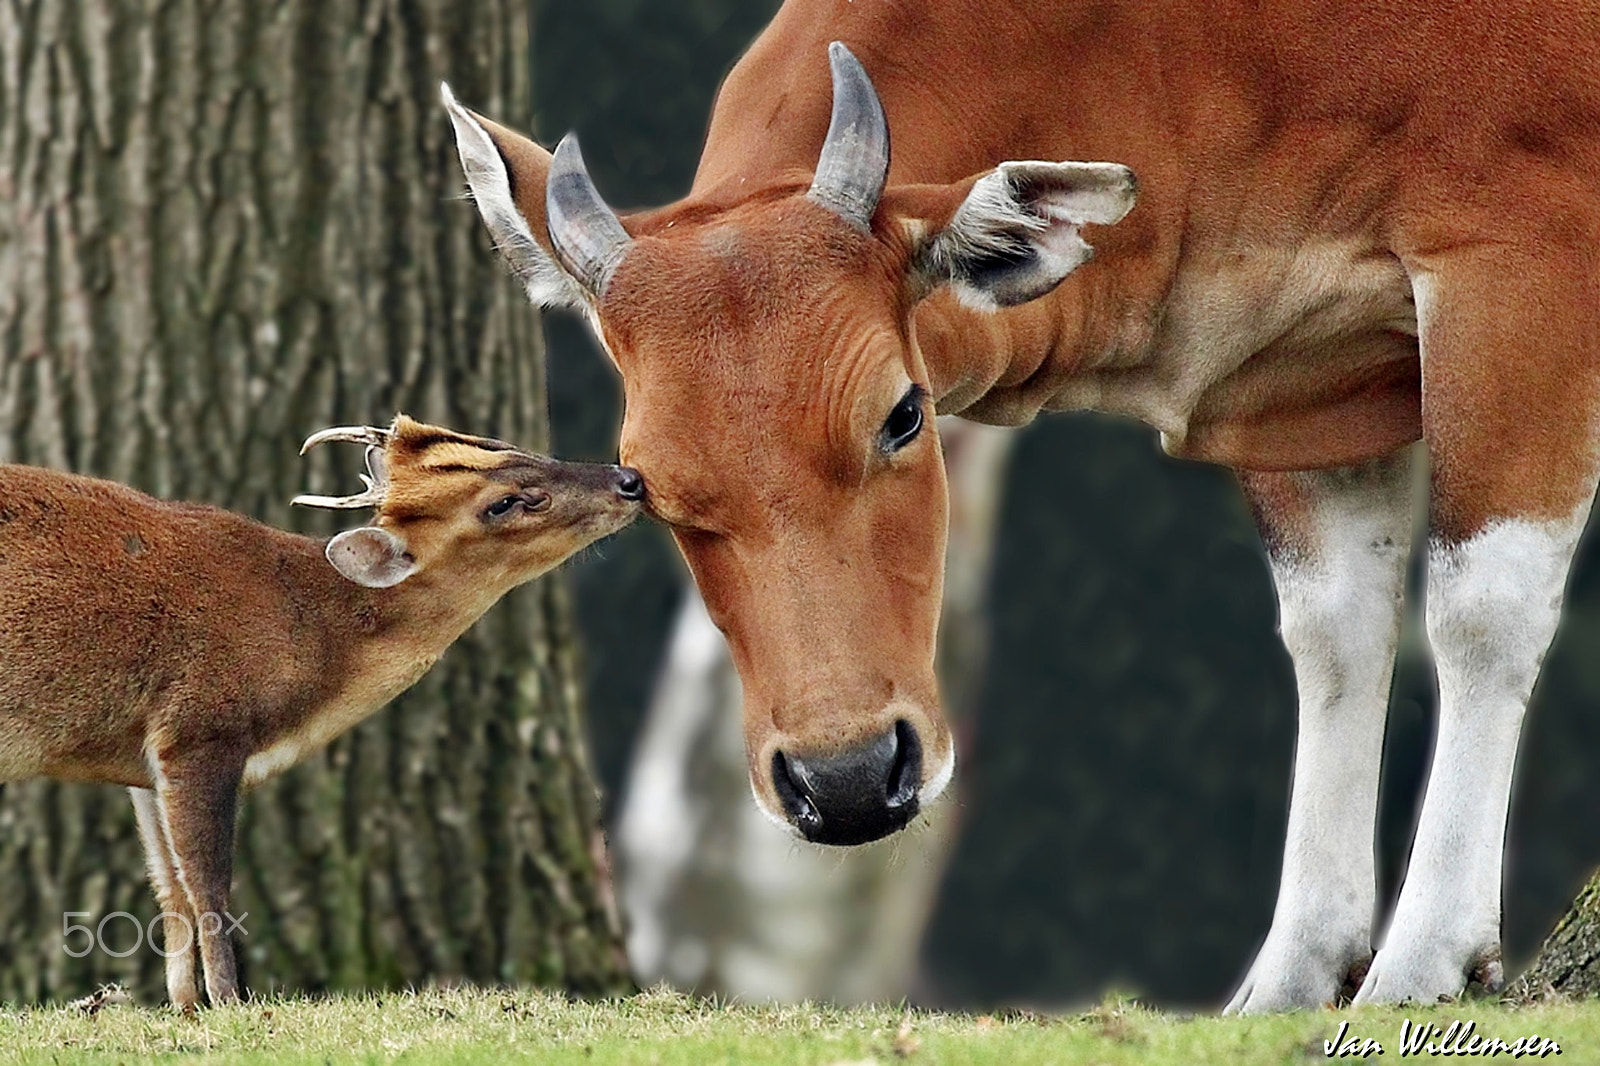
(1015, 237)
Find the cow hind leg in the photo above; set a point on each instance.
(1338, 541)
(1511, 394)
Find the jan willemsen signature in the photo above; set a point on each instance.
(1419, 1039)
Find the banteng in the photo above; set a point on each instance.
(1359, 226)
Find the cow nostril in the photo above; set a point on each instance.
(630, 485)
(856, 795)
(905, 777)
(794, 796)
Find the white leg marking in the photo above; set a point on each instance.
(1339, 610)
(162, 864)
(1493, 605)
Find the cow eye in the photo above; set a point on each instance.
(905, 421)
(502, 506)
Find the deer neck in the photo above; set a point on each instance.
(396, 633)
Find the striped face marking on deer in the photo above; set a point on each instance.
(469, 505)
(780, 410)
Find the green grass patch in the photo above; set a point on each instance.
(660, 1028)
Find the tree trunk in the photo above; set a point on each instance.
(718, 898)
(223, 226)
(1568, 964)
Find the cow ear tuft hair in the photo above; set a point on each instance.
(490, 175)
(1015, 236)
(371, 556)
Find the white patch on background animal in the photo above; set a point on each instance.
(1339, 613)
(267, 764)
(162, 867)
(156, 851)
(1493, 605)
(662, 821)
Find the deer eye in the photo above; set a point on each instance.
(905, 421)
(502, 506)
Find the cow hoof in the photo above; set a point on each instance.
(1417, 976)
(1285, 978)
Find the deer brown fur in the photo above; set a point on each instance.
(183, 650)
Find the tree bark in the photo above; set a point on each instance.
(223, 226)
(1568, 965)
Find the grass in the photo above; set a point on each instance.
(661, 1028)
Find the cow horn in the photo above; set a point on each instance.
(587, 236)
(855, 158)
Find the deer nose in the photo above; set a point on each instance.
(630, 485)
(855, 796)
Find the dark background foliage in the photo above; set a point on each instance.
(1126, 791)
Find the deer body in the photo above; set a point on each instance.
(156, 623)
(184, 651)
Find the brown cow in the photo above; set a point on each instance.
(1360, 226)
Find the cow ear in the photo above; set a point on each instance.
(371, 556)
(506, 172)
(1015, 235)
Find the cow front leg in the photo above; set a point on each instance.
(1493, 602)
(179, 937)
(1337, 541)
(1511, 389)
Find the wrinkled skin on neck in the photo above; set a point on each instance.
(760, 433)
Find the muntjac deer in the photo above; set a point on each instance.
(183, 650)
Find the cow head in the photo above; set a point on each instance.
(780, 411)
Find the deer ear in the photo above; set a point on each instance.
(371, 556)
(506, 172)
(1015, 236)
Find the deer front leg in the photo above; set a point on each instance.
(1338, 542)
(196, 797)
(178, 930)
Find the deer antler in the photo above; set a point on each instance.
(369, 435)
(377, 483)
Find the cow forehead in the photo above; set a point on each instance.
(775, 333)
(747, 281)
